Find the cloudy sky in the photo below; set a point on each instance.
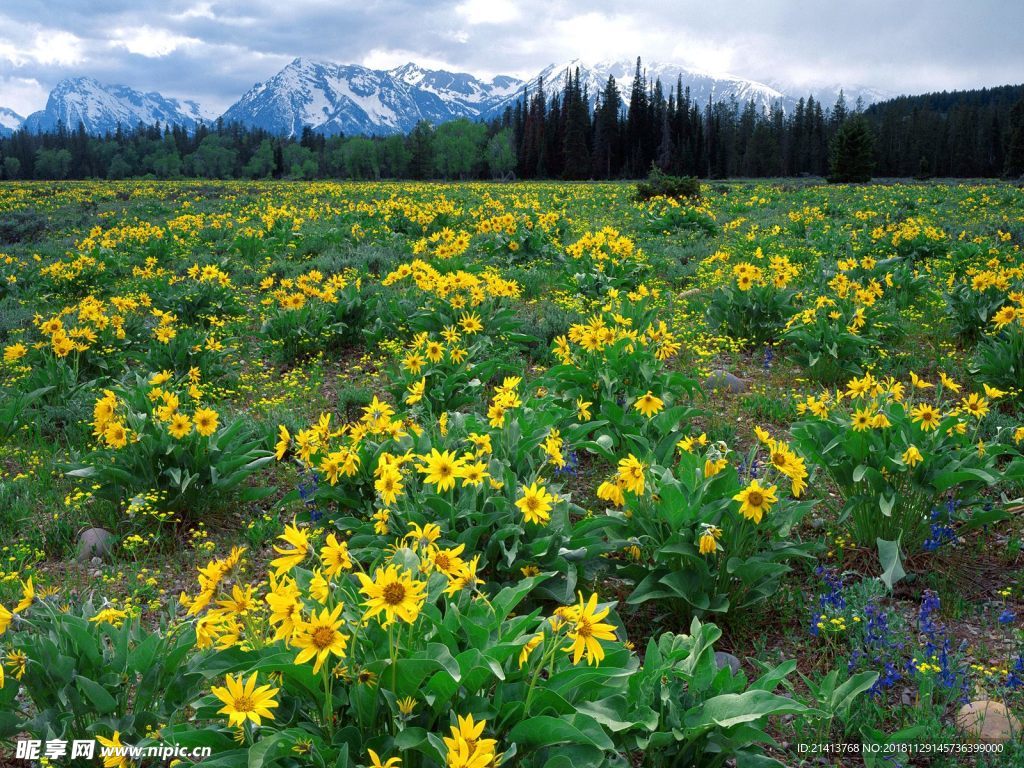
(213, 51)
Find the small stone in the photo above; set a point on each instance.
(817, 523)
(725, 381)
(96, 561)
(987, 721)
(723, 659)
(94, 542)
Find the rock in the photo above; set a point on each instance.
(94, 542)
(725, 381)
(987, 721)
(817, 523)
(723, 659)
(96, 561)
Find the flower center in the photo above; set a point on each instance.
(323, 637)
(394, 593)
(244, 704)
(584, 628)
(755, 499)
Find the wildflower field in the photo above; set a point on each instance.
(533, 474)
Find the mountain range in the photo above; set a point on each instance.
(351, 99)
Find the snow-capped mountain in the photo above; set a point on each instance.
(461, 92)
(702, 85)
(350, 99)
(827, 95)
(101, 108)
(10, 121)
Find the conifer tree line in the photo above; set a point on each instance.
(569, 135)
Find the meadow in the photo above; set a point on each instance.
(533, 474)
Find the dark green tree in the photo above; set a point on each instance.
(421, 151)
(852, 158)
(1015, 149)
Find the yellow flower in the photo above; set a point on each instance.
(975, 404)
(416, 391)
(648, 404)
(113, 616)
(284, 439)
(423, 537)
(465, 747)
(14, 352)
(756, 500)
(471, 323)
(631, 474)
(335, 556)
(389, 485)
(406, 705)
(612, 491)
(180, 426)
(112, 760)
(586, 630)
(28, 594)
(918, 382)
(16, 661)
(911, 457)
(5, 619)
(709, 537)
(862, 420)
(926, 415)
(115, 435)
(583, 409)
(441, 469)
(241, 601)
(528, 647)
(536, 504)
(206, 421)
(319, 638)
(393, 591)
(319, 589)
(949, 384)
(992, 392)
(243, 701)
(290, 557)
(391, 762)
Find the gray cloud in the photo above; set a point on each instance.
(214, 50)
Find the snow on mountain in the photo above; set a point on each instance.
(702, 85)
(827, 95)
(350, 99)
(10, 121)
(101, 108)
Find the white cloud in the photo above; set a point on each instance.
(149, 41)
(44, 46)
(487, 11)
(22, 94)
(389, 58)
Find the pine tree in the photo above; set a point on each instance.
(575, 153)
(606, 131)
(421, 150)
(852, 152)
(1015, 149)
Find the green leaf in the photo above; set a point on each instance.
(892, 564)
(544, 731)
(733, 709)
(97, 695)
